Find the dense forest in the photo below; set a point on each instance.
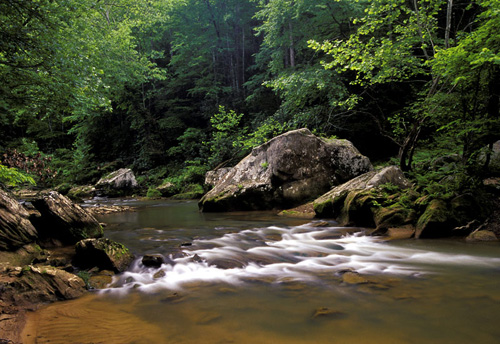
(173, 88)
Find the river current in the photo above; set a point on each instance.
(255, 277)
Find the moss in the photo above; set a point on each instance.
(436, 221)
(153, 193)
(85, 276)
(324, 209)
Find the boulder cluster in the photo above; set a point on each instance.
(49, 250)
(331, 179)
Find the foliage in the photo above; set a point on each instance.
(12, 177)
(34, 164)
(173, 88)
(153, 193)
(225, 142)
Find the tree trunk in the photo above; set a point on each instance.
(448, 24)
(292, 48)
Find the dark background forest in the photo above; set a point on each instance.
(173, 88)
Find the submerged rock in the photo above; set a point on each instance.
(103, 253)
(285, 172)
(16, 229)
(324, 312)
(62, 220)
(118, 183)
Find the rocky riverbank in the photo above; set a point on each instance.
(51, 249)
(331, 179)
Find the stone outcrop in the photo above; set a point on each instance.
(118, 183)
(286, 171)
(62, 220)
(16, 229)
(102, 253)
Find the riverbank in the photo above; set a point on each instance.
(54, 262)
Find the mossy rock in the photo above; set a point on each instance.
(330, 207)
(103, 253)
(393, 216)
(78, 193)
(359, 208)
(437, 221)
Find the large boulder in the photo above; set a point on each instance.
(16, 229)
(118, 183)
(102, 253)
(62, 220)
(286, 171)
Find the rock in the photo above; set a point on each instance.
(159, 274)
(152, 260)
(167, 189)
(482, 235)
(436, 221)
(324, 312)
(16, 229)
(118, 183)
(332, 203)
(23, 256)
(102, 253)
(393, 216)
(79, 193)
(100, 209)
(42, 283)
(305, 211)
(398, 233)
(354, 278)
(63, 220)
(285, 172)
(100, 280)
(212, 178)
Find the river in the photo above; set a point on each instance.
(255, 277)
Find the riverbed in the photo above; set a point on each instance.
(255, 277)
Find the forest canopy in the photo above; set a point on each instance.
(172, 88)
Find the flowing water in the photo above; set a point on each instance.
(259, 278)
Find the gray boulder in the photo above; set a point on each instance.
(16, 229)
(286, 171)
(62, 220)
(117, 183)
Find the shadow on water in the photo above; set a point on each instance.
(259, 278)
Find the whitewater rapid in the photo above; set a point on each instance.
(282, 254)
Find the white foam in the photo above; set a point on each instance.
(274, 254)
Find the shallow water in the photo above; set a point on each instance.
(259, 278)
